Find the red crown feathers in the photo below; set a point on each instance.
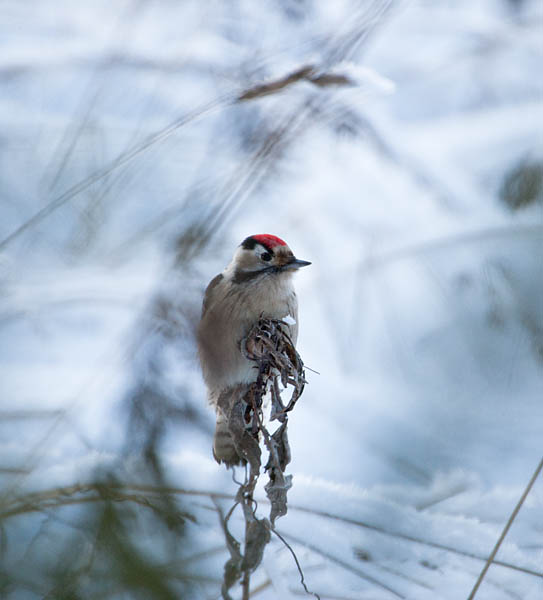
(268, 240)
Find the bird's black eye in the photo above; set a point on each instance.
(266, 256)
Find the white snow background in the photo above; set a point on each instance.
(422, 311)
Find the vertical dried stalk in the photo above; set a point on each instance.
(279, 366)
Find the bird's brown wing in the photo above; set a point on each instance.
(208, 296)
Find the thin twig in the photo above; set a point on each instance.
(345, 565)
(302, 578)
(505, 530)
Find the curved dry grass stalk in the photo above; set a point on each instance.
(59, 497)
(470, 237)
(340, 48)
(121, 160)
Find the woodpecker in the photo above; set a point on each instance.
(256, 283)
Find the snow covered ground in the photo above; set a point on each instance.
(422, 311)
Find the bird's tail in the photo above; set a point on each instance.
(224, 449)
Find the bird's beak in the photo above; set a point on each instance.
(296, 263)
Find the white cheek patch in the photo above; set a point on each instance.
(289, 320)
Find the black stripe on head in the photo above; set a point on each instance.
(250, 243)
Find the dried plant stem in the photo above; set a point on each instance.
(245, 585)
(505, 530)
(247, 506)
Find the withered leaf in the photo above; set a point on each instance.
(232, 567)
(280, 451)
(246, 444)
(257, 536)
(232, 573)
(276, 490)
(277, 406)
